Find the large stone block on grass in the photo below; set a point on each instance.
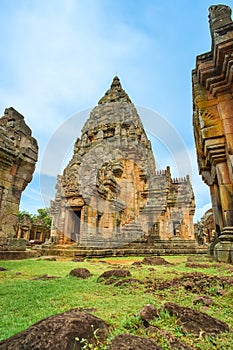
(71, 330)
(112, 275)
(196, 322)
(80, 272)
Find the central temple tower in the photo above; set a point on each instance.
(110, 193)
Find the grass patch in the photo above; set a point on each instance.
(24, 301)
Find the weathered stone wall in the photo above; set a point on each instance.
(110, 193)
(213, 122)
(18, 156)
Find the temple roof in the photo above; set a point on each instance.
(115, 93)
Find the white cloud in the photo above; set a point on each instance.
(201, 211)
(59, 55)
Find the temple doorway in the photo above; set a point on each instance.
(176, 228)
(75, 233)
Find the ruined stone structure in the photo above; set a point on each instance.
(18, 156)
(32, 231)
(205, 229)
(213, 125)
(207, 221)
(110, 193)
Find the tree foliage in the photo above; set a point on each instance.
(44, 213)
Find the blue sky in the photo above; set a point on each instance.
(58, 58)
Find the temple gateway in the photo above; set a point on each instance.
(110, 193)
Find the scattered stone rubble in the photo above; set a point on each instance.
(67, 331)
(196, 322)
(75, 329)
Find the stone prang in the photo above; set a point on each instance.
(110, 193)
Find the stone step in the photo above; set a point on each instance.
(99, 252)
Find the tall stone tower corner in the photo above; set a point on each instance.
(18, 157)
(212, 87)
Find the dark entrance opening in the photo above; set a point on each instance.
(75, 234)
(176, 228)
(98, 217)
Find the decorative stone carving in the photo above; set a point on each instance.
(213, 124)
(219, 16)
(18, 156)
(110, 193)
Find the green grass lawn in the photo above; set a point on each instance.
(24, 301)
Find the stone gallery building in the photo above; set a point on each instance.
(213, 125)
(110, 193)
(18, 156)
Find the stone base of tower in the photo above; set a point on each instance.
(223, 249)
(159, 248)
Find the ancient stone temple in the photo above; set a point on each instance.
(18, 156)
(34, 231)
(110, 193)
(213, 125)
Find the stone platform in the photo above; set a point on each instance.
(181, 247)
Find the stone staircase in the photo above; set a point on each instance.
(124, 245)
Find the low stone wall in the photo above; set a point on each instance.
(15, 244)
(19, 255)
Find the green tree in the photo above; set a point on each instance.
(25, 212)
(44, 213)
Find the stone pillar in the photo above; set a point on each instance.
(27, 235)
(85, 222)
(19, 233)
(223, 250)
(217, 208)
(54, 231)
(225, 192)
(61, 225)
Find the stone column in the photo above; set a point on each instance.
(223, 250)
(27, 235)
(217, 209)
(225, 192)
(61, 227)
(85, 223)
